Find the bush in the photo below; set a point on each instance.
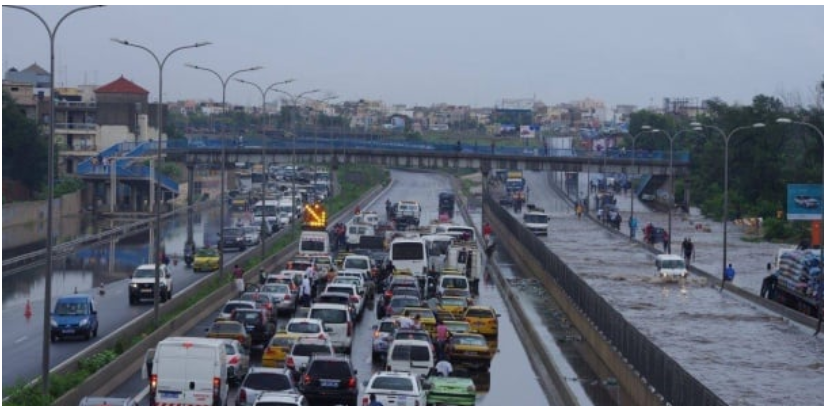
(778, 230)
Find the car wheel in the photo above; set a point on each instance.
(95, 332)
(88, 335)
(164, 295)
(375, 357)
(53, 338)
(169, 296)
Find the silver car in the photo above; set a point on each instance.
(285, 298)
(260, 380)
(251, 235)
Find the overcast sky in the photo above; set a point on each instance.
(429, 54)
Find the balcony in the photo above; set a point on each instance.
(75, 128)
(74, 105)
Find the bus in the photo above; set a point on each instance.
(411, 254)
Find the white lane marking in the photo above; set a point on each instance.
(21, 339)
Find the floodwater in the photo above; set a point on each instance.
(745, 354)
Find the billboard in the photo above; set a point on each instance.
(527, 131)
(804, 202)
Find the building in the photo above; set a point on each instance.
(23, 94)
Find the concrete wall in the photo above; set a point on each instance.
(25, 222)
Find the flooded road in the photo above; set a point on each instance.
(743, 353)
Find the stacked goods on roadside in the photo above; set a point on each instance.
(799, 271)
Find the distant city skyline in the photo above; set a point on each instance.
(424, 55)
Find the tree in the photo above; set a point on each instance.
(25, 150)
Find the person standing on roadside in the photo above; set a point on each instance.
(729, 273)
(237, 272)
(687, 250)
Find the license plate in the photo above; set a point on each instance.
(146, 290)
(327, 383)
(249, 328)
(470, 353)
(169, 395)
(68, 331)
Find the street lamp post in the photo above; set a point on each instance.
(697, 127)
(161, 63)
(323, 100)
(644, 129)
(52, 32)
(671, 197)
(223, 83)
(821, 203)
(263, 93)
(295, 99)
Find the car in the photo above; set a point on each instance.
(274, 356)
(237, 361)
(806, 202)
(285, 298)
(671, 266)
(281, 399)
(396, 388)
(338, 323)
(365, 277)
(141, 285)
(261, 381)
(413, 356)
(229, 329)
(262, 300)
(206, 259)
(351, 290)
(352, 280)
(396, 304)
(303, 349)
(457, 326)
(338, 298)
(426, 314)
(259, 325)
(455, 305)
(232, 305)
(329, 378)
(452, 391)
(460, 293)
(469, 349)
(74, 316)
(251, 235)
(484, 320)
(232, 237)
(382, 335)
(306, 327)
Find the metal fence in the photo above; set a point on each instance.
(665, 375)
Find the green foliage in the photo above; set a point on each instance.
(172, 170)
(25, 150)
(782, 230)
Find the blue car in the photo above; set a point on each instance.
(74, 316)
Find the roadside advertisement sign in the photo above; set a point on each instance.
(803, 202)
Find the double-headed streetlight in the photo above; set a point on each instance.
(784, 120)
(52, 31)
(671, 197)
(644, 129)
(321, 102)
(726, 136)
(295, 99)
(263, 117)
(223, 82)
(160, 64)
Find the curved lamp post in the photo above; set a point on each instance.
(726, 136)
(644, 129)
(295, 99)
(52, 31)
(263, 117)
(821, 203)
(160, 64)
(671, 197)
(223, 82)
(321, 101)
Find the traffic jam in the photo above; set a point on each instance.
(288, 339)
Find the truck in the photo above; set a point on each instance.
(142, 283)
(446, 204)
(187, 371)
(314, 243)
(407, 214)
(797, 281)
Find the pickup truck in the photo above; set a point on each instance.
(142, 283)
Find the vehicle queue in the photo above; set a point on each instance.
(428, 338)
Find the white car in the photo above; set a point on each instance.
(304, 348)
(285, 298)
(141, 285)
(237, 361)
(351, 290)
(306, 327)
(395, 388)
(670, 266)
(251, 235)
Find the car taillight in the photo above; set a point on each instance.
(242, 397)
(290, 362)
(348, 328)
(353, 383)
(234, 360)
(365, 401)
(153, 383)
(216, 386)
(307, 379)
(354, 299)
(241, 338)
(287, 297)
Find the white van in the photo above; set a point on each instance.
(411, 254)
(414, 356)
(455, 282)
(338, 322)
(314, 243)
(188, 371)
(671, 266)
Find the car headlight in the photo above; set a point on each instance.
(53, 323)
(133, 285)
(162, 284)
(84, 322)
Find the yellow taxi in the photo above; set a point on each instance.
(274, 356)
(206, 259)
(470, 349)
(457, 326)
(484, 320)
(455, 305)
(427, 317)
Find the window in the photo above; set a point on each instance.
(335, 316)
(332, 369)
(393, 383)
(144, 273)
(303, 327)
(410, 352)
(305, 350)
(479, 313)
(407, 250)
(267, 382)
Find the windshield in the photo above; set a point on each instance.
(275, 288)
(535, 218)
(71, 308)
(393, 383)
(268, 211)
(303, 328)
(232, 232)
(207, 252)
(468, 340)
(407, 250)
(305, 350)
(267, 382)
(410, 352)
(144, 273)
(227, 328)
(357, 263)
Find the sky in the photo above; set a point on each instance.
(422, 55)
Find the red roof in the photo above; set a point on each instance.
(121, 85)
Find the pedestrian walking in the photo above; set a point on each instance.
(687, 250)
(305, 292)
(633, 226)
(579, 210)
(729, 273)
(240, 286)
(665, 239)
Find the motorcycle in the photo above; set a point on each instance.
(189, 256)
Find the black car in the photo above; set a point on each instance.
(257, 324)
(233, 237)
(329, 379)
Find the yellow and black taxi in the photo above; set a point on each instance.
(206, 259)
(484, 321)
(455, 305)
(231, 329)
(274, 356)
(471, 350)
(457, 326)
(427, 317)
